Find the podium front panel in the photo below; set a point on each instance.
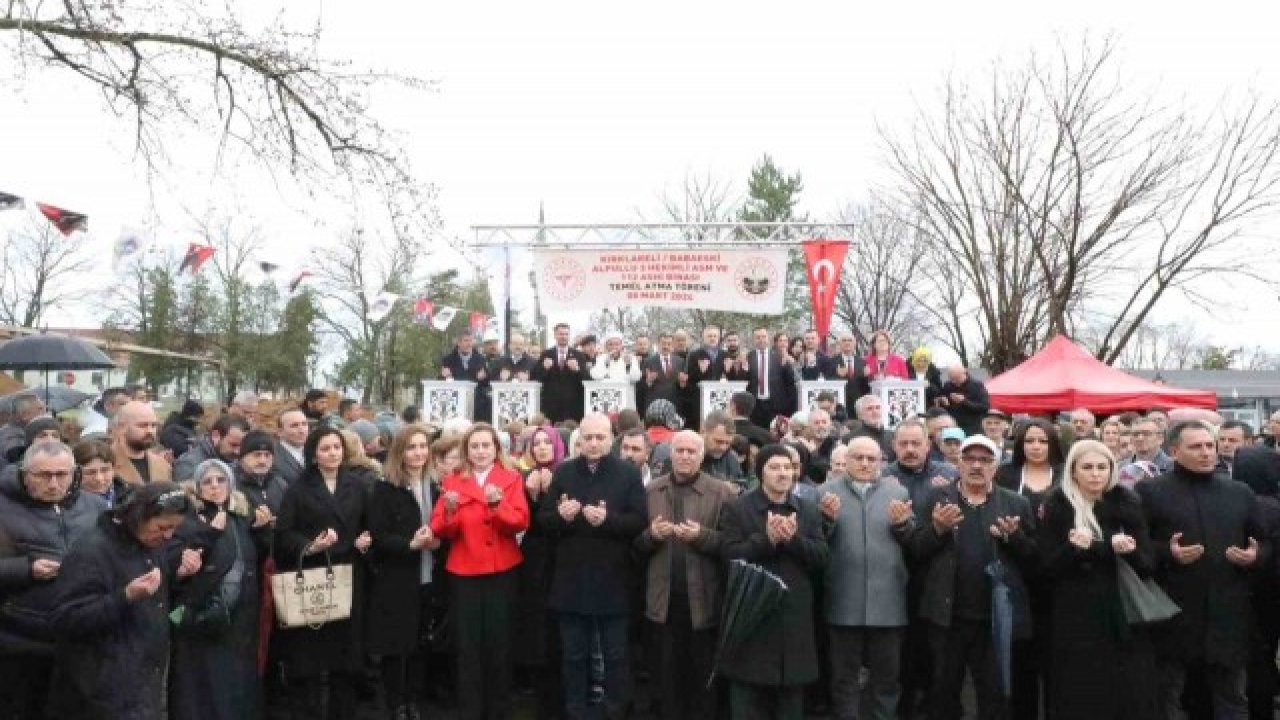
(714, 394)
(810, 389)
(444, 400)
(902, 399)
(607, 397)
(515, 402)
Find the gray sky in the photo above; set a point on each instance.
(594, 108)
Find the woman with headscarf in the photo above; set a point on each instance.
(1103, 667)
(322, 522)
(1034, 471)
(922, 368)
(661, 422)
(882, 362)
(112, 614)
(402, 595)
(214, 673)
(536, 645)
(773, 527)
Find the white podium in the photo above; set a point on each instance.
(515, 401)
(714, 394)
(444, 400)
(901, 399)
(809, 390)
(607, 396)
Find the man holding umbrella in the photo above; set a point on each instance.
(26, 407)
(975, 546)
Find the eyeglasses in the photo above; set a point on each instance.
(862, 458)
(51, 475)
(970, 460)
(1142, 433)
(213, 480)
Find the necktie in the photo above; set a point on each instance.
(666, 365)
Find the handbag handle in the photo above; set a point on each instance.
(328, 563)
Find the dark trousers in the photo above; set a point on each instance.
(482, 607)
(1031, 678)
(915, 670)
(24, 685)
(404, 677)
(762, 414)
(310, 701)
(965, 647)
(1226, 690)
(576, 633)
(687, 656)
(877, 649)
(761, 702)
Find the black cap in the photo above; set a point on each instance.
(257, 440)
(192, 410)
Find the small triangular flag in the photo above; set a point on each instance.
(10, 202)
(267, 267)
(296, 282)
(381, 306)
(478, 322)
(197, 255)
(66, 221)
(444, 316)
(423, 309)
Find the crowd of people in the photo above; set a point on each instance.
(576, 558)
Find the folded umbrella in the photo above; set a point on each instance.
(752, 596)
(1002, 624)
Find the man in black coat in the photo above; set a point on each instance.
(464, 363)
(965, 399)
(850, 366)
(741, 405)
(960, 532)
(708, 362)
(561, 370)
(662, 373)
(770, 379)
(1209, 536)
(599, 508)
(517, 364)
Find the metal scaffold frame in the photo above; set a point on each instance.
(657, 236)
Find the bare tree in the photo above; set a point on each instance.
(38, 264)
(884, 263)
(1056, 187)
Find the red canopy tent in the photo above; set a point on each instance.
(1062, 376)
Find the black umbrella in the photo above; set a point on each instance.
(56, 398)
(51, 352)
(753, 594)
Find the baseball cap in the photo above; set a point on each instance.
(951, 433)
(980, 441)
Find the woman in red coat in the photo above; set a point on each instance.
(882, 362)
(481, 512)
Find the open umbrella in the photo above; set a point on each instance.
(51, 352)
(56, 398)
(752, 595)
(1002, 624)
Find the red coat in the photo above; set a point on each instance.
(895, 366)
(483, 540)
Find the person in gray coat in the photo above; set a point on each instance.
(866, 523)
(222, 443)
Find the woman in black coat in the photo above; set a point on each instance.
(112, 614)
(1034, 471)
(401, 581)
(1103, 668)
(772, 527)
(214, 673)
(322, 520)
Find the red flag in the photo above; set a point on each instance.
(197, 255)
(823, 260)
(66, 221)
(478, 321)
(423, 309)
(297, 281)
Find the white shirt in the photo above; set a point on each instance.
(295, 452)
(482, 476)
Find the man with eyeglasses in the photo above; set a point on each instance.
(1147, 440)
(866, 523)
(964, 531)
(42, 516)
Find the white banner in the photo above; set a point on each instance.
(747, 281)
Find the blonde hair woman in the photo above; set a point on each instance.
(1103, 668)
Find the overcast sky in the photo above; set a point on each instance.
(595, 108)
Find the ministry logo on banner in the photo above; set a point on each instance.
(749, 281)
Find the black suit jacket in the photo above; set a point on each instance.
(856, 383)
(666, 386)
(715, 371)
(477, 362)
(561, 387)
(823, 367)
(1259, 468)
(526, 365)
(782, 382)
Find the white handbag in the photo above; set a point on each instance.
(312, 597)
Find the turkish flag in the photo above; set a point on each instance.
(197, 255)
(823, 260)
(478, 322)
